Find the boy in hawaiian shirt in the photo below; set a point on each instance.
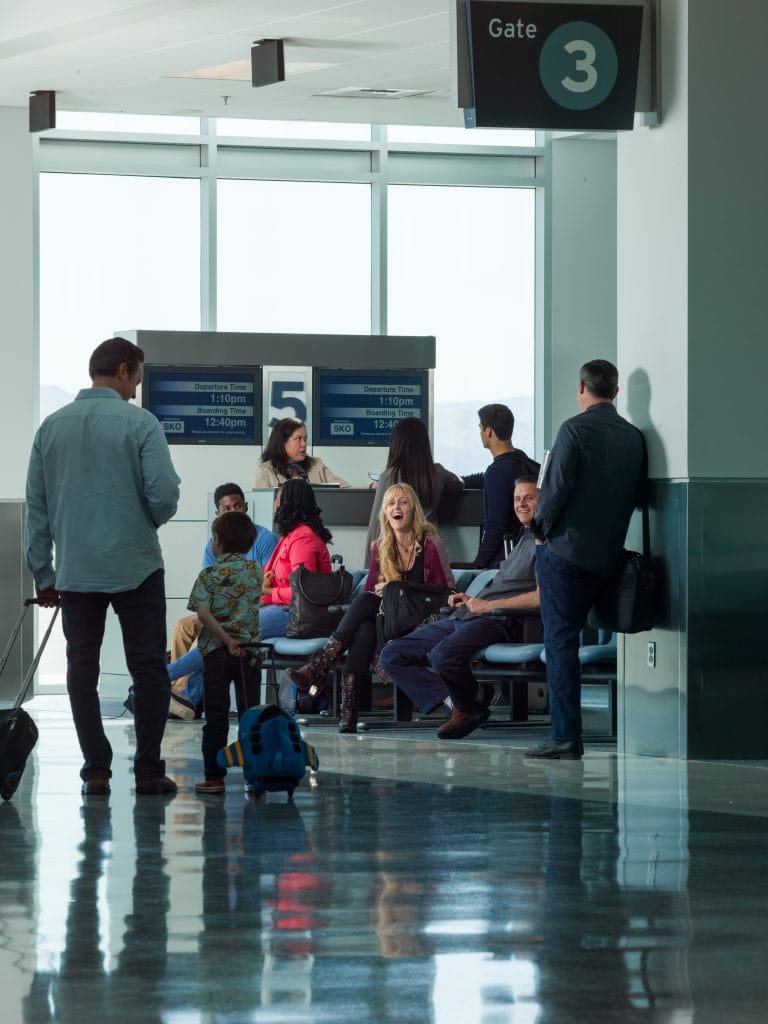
(226, 599)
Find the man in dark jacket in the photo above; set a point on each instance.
(498, 482)
(591, 485)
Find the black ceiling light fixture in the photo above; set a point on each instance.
(267, 62)
(42, 110)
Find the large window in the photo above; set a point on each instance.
(294, 256)
(461, 267)
(318, 229)
(116, 253)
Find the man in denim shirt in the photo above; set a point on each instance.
(100, 483)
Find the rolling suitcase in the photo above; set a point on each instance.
(18, 733)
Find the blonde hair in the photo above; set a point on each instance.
(389, 564)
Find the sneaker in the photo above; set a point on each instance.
(155, 786)
(210, 786)
(180, 709)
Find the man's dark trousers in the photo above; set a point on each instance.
(141, 613)
(567, 594)
(447, 647)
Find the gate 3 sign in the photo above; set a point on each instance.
(541, 65)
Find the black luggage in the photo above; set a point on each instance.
(18, 733)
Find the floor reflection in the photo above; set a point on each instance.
(582, 892)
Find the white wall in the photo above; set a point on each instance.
(583, 261)
(728, 239)
(652, 264)
(17, 317)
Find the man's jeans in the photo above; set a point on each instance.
(434, 661)
(141, 613)
(567, 594)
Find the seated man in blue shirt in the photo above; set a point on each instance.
(434, 662)
(186, 667)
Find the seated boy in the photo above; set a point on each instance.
(226, 599)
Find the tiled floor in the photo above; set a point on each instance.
(409, 881)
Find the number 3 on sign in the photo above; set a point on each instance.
(585, 64)
(578, 65)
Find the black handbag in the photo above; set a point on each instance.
(312, 594)
(626, 604)
(405, 606)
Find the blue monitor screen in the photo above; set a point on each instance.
(354, 407)
(205, 405)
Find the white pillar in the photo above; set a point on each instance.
(18, 314)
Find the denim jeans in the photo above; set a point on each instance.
(273, 618)
(141, 613)
(220, 669)
(434, 661)
(189, 664)
(567, 594)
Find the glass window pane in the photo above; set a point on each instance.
(461, 136)
(249, 128)
(294, 256)
(93, 121)
(461, 267)
(116, 253)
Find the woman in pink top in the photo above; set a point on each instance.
(408, 548)
(303, 539)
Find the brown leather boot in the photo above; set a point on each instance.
(348, 709)
(312, 677)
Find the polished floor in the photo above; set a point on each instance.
(409, 881)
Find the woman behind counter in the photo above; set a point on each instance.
(303, 539)
(285, 458)
(408, 548)
(410, 462)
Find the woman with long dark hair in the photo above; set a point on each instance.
(303, 539)
(285, 457)
(407, 548)
(410, 462)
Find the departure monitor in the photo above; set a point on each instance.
(205, 404)
(360, 407)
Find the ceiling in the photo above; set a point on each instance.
(118, 55)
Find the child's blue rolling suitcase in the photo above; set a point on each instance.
(18, 733)
(270, 750)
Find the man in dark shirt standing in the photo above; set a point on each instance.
(498, 482)
(590, 487)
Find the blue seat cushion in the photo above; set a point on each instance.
(291, 647)
(511, 654)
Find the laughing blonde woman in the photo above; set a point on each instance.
(407, 548)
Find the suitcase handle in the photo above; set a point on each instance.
(36, 661)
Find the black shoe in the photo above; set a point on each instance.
(565, 750)
(155, 786)
(96, 786)
(128, 702)
(486, 698)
